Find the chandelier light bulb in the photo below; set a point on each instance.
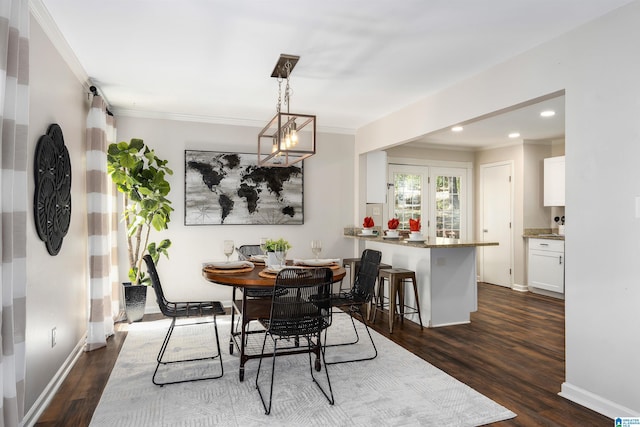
(294, 133)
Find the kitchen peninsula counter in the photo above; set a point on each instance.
(438, 242)
(445, 270)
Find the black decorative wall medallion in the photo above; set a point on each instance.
(52, 198)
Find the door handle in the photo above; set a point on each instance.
(486, 230)
(560, 260)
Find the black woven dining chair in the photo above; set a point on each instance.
(203, 310)
(245, 252)
(357, 298)
(300, 310)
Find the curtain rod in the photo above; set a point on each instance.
(94, 91)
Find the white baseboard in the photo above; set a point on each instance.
(546, 293)
(594, 402)
(520, 288)
(41, 403)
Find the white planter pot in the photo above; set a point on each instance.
(271, 259)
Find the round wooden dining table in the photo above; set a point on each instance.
(250, 308)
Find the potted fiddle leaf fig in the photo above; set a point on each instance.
(141, 178)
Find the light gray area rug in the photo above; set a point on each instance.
(395, 389)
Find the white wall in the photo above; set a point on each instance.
(600, 75)
(536, 215)
(328, 201)
(56, 285)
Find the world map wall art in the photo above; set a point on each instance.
(230, 188)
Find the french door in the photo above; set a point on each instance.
(436, 195)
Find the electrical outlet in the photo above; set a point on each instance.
(53, 337)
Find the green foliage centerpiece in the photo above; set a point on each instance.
(276, 252)
(272, 245)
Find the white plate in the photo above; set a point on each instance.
(273, 269)
(367, 235)
(224, 265)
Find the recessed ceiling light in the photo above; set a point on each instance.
(548, 113)
(456, 129)
(514, 134)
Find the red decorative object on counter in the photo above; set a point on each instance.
(393, 223)
(368, 222)
(414, 224)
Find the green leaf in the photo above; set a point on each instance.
(159, 222)
(149, 204)
(132, 275)
(118, 177)
(137, 144)
(164, 245)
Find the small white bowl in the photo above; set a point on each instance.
(415, 235)
(393, 233)
(367, 231)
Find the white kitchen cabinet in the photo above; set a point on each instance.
(554, 181)
(546, 264)
(377, 177)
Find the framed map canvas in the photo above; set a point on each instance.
(230, 188)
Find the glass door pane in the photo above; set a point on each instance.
(449, 204)
(408, 195)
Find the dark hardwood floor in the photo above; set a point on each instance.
(512, 352)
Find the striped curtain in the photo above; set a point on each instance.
(102, 226)
(14, 122)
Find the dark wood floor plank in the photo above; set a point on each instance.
(512, 352)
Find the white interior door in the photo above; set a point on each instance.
(496, 196)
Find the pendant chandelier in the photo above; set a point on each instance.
(289, 137)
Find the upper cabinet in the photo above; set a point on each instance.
(554, 181)
(377, 177)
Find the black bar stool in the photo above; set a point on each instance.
(397, 277)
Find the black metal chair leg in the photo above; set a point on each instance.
(361, 359)
(320, 348)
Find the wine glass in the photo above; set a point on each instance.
(316, 247)
(229, 247)
(263, 245)
(281, 254)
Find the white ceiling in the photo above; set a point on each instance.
(494, 129)
(211, 60)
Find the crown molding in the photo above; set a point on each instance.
(44, 18)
